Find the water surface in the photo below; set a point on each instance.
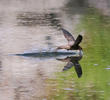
(29, 26)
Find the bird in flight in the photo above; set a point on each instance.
(72, 43)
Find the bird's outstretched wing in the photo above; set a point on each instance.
(68, 66)
(78, 68)
(69, 37)
(78, 40)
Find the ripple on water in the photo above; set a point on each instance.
(44, 99)
(68, 89)
(107, 68)
(96, 64)
(35, 18)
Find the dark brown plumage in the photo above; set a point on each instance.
(72, 43)
(73, 61)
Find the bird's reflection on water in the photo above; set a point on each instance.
(72, 59)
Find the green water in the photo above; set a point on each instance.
(95, 81)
